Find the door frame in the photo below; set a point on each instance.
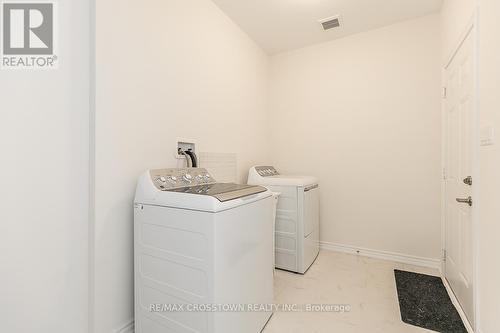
(472, 29)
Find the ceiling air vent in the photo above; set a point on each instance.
(330, 23)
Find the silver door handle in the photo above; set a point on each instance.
(467, 201)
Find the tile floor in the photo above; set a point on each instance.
(366, 284)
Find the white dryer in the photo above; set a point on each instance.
(201, 248)
(297, 220)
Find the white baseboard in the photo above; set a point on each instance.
(384, 255)
(457, 305)
(126, 328)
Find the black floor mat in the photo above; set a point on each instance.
(424, 302)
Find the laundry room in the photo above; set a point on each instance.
(221, 166)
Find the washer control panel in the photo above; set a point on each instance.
(170, 179)
(266, 171)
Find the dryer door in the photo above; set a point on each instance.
(311, 209)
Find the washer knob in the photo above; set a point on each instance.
(187, 177)
(162, 179)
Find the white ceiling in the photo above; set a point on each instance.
(283, 25)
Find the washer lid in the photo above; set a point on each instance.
(171, 188)
(221, 191)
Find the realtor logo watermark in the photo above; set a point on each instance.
(190, 307)
(28, 35)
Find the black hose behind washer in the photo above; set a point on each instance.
(192, 155)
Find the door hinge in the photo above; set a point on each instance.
(444, 173)
(445, 92)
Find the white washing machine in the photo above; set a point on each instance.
(297, 221)
(201, 246)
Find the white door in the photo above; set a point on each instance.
(460, 119)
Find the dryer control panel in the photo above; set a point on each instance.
(266, 171)
(170, 179)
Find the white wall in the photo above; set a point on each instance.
(455, 17)
(44, 139)
(174, 68)
(363, 114)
